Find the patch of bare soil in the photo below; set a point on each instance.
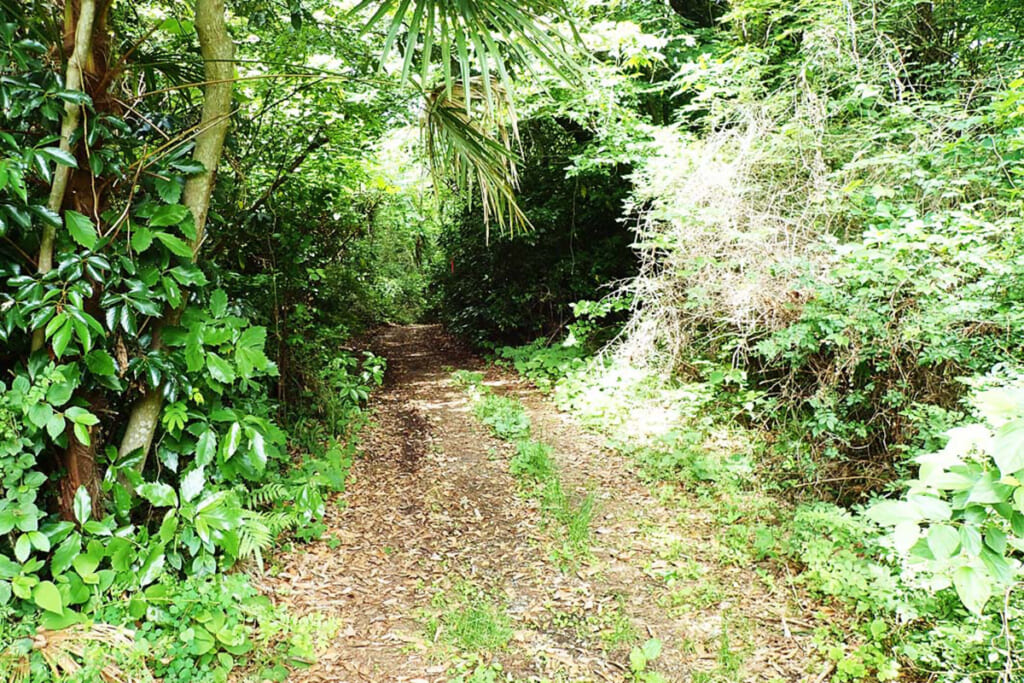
(431, 505)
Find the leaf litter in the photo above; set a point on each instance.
(430, 505)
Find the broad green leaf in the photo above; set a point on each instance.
(1008, 447)
(158, 493)
(175, 245)
(219, 368)
(65, 554)
(168, 215)
(62, 337)
(194, 349)
(169, 190)
(233, 440)
(22, 548)
(39, 541)
(218, 303)
(973, 587)
(192, 484)
(142, 238)
(893, 512)
(46, 596)
(905, 535)
(206, 447)
(943, 540)
(258, 449)
(81, 229)
(81, 416)
(82, 505)
(168, 526)
(153, 566)
(59, 155)
(40, 414)
(100, 362)
(86, 565)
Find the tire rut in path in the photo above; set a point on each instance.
(427, 502)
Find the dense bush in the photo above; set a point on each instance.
(519, 286)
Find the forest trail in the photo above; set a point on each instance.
(432, 529)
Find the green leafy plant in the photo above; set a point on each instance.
(640, 658)
(504, 415)
(532, 462)
(961, 521)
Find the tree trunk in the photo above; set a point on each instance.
(218, 57)
(73, 80)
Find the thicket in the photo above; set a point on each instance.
(198, 209)
(826, 204)
(514, 287)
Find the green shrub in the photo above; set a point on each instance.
(504, 415)
(533, 462)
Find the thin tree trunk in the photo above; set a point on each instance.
(218, 56)
(73, 80)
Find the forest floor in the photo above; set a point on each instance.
(434, 564)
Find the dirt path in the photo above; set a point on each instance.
(432, 524)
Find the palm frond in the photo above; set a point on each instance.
(476, 148)
(485, 34)
(64, 649)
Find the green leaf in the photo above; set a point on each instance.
(637, 660)
(22, 548)
(39, 541)
(652, 649)
(220, 369)
(234, 438)
(82, 505)
(158, 493)
(100, 362)
(62, 337)
(153, 566)
(258, 449)
(59, 155)
(82, 434)
(172, 214)
(40, 414)
(175, 245)
(85, 565)
(192, 484)
(142, 238)
(194, 349)
(943, 540)
(65, 554)
(218, 303)
(169, 190)
(892, 512)
(206, 447)
(81, 416)
(46, 596)
(168, 526)
(81, 229)
(973, 587)
(55, 426)
(1008, 447)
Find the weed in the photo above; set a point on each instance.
(533, 461)
(469, 620)
(640, 658)
(504, 415)
(467, 378)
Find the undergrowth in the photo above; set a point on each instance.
(533, 465)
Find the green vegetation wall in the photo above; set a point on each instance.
(519, 286)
